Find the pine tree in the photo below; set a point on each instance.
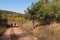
(43, 1)
(56, 0)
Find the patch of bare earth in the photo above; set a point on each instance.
(15, 33)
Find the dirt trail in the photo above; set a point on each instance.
(15, 33)
(14, 30)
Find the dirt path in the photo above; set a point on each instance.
(14, 30)
(15, 33)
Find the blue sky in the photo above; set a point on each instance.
(15, 5)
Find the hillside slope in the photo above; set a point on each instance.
(47, 32)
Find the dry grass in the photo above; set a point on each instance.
(27, 26)
(47, 32)
(2, 29)
(44, 32)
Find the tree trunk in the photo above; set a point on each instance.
(32, 24)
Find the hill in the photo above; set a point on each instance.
(42, 32)
(47, 32)
(8, 17)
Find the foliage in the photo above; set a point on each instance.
(45, 11)
(7, 17)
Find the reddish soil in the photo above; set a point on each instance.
(15, 33)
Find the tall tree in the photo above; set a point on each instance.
(56, 0)
(45, 11)
(32, 11)
(43, 1)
